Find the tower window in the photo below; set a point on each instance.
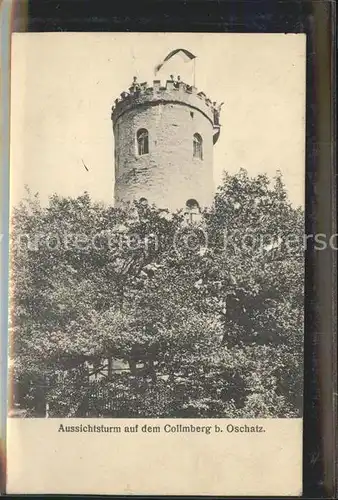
(193, 211)
(142, 137)
(198, 147)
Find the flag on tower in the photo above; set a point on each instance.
(185, 54)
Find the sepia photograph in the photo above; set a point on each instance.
(157, 221)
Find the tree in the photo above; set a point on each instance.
(116, 314)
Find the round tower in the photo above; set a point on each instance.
(164, 138)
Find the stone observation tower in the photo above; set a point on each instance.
(164, 139)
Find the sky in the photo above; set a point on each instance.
(64, 84)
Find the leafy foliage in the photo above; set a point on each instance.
(114, 313)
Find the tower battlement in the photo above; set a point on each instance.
(173, 92)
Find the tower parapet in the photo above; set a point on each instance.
(164, 138)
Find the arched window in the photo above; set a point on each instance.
(193, 210)
(142, 137)
(198, 146)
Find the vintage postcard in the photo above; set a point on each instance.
(157, 263)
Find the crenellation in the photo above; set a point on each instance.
(156, 85)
